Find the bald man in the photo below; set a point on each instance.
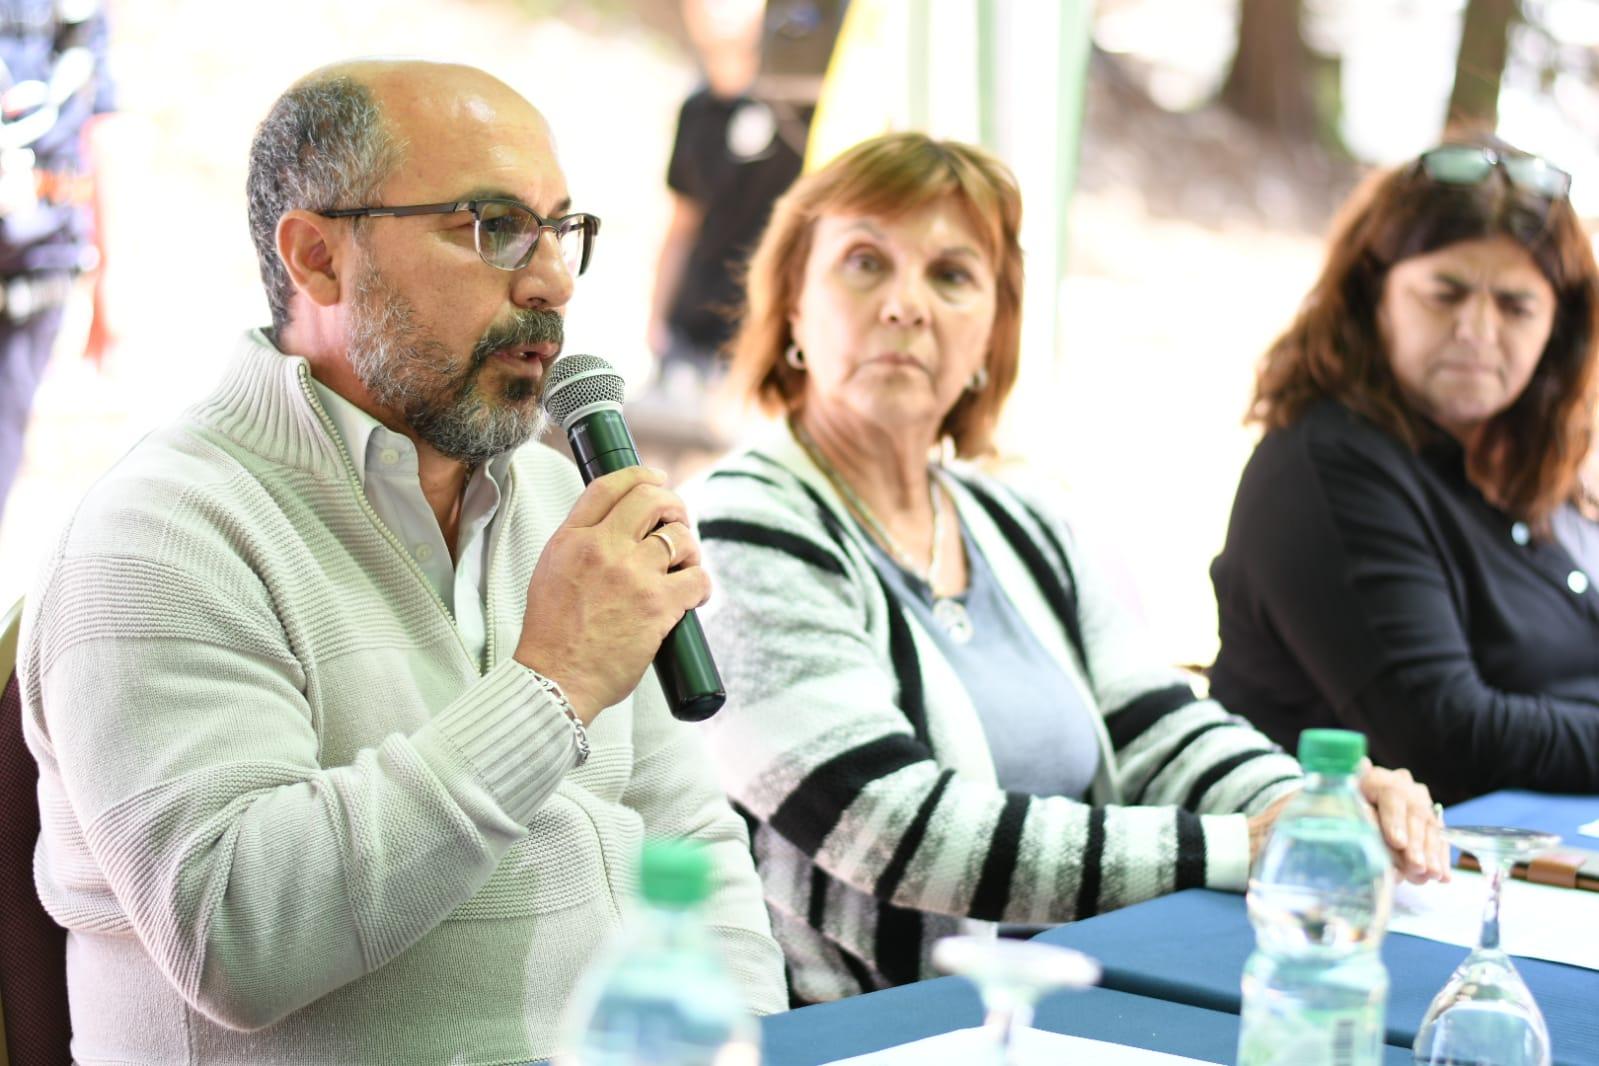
(338, 692)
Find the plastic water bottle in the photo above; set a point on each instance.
(659, 994)
(1315, 988)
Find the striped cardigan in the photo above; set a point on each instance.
(851, 748)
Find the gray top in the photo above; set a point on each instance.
(1038, 728)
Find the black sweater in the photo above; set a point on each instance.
(1369, 587)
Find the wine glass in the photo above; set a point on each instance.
(1485, 1015)
(1011, 977)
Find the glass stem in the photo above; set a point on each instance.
(1007, 1018)
(1496, 867)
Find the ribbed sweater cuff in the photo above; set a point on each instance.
(756, 968)
(511, 734)
(1226, 851)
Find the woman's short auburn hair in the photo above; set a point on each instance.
(886, 176)
(1529, 455)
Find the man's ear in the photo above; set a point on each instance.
(306, 243)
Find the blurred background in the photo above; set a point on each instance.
(1180, 161)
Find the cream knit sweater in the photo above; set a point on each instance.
(286, 817)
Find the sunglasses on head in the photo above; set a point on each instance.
(1469, 164)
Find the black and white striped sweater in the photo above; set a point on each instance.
(860, 763)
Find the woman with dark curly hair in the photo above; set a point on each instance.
(1411, 549)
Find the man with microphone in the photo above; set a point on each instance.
(339, 693)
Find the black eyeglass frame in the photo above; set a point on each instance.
(589, 224)
(1500, 161)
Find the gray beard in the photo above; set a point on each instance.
(411, 373)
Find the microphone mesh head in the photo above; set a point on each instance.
(578, 381)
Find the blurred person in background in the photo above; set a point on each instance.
(1411, 551)
(738, 146)
(938, 709)
(52, 83)
(336, 688)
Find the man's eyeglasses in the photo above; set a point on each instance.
(1469, 164)
(506, 232)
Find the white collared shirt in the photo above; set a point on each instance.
(386, 466)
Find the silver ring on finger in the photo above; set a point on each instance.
(671, 549)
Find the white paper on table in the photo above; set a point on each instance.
(962, 1047)
(1589, 829)
(1535, 921)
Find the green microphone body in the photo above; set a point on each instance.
(601, 444)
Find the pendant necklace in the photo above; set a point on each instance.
(949, 612)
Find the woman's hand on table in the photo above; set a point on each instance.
(1260, 825)
(1406, 814)
(1410, 822)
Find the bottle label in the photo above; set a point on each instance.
(1288, 1034)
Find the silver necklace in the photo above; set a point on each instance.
(948, 612)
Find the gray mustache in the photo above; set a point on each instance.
(530, 327)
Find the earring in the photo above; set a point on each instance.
(794, 357)
(979, 380)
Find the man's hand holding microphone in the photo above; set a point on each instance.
(617, 584)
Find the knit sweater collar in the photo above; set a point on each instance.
(265, 404)
(781, 445)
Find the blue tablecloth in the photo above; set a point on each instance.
(1172, 969)
(1531, 810)
(1190, 948)
(831, 1031)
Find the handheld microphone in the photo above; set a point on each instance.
(583, 395)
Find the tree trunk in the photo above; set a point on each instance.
(1479, 67)
(1269, 83)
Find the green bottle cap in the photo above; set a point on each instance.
(674, 873)
(1331, 751)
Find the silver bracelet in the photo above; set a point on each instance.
(579, 734)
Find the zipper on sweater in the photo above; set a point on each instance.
(489, 660)
(366, 506)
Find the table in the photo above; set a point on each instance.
(1190, 947)
(1531, 810)
(811, 1036)
(1172, 971)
